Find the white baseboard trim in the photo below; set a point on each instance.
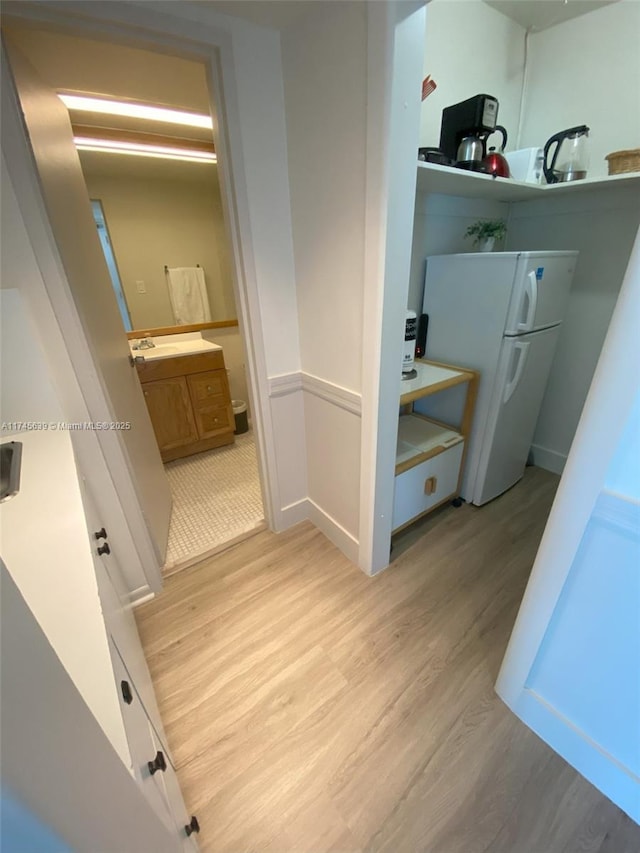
(293, 514)
(340, 537)
(550, 460)
(141, 595)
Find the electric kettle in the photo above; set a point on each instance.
(570, 156)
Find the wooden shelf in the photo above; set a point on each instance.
(420, 438)
(432, 377)
(458, 182)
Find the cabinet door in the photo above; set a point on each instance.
(170, 410)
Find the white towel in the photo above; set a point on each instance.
(188, 295)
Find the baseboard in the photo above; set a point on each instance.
(550, 460)
(340, 537)
(293, 514)
(141, 595)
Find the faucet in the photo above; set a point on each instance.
(143, 343)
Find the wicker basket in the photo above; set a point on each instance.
(624, 161)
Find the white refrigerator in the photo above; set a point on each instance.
(499, 313)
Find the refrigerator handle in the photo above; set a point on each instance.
(531, 292)
(521, 348)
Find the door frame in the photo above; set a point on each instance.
(212, 45)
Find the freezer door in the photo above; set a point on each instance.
(540, 292)
(523, 370)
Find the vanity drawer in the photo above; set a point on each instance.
(424, 486)
(209, 388)
(213, 420)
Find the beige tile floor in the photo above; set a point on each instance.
(216, 500)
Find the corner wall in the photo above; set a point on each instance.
(471, 48)
(324, 64)
(586, 71)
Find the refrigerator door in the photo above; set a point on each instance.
(467, 298)
(540, 291)
(521, 379)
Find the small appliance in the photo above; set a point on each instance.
(433, 155)
(570, 157)
(525, 165)
(468, 120)
(494, 161)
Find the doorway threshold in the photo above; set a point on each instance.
(169, 570)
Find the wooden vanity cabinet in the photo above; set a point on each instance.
(189, 403)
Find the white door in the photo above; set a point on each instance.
(540, 291)
(572, 668)
(521, 379)
(93, 309)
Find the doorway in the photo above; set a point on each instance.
(158, 212)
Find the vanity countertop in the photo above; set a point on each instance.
(172, 349)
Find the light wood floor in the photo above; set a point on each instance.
(312, 709)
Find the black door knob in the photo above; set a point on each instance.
(127, 695)
(158, 763)
(192, 826)
(100, 534)
(104, 549)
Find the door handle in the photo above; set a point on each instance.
(521, 348)
(158, 763)
(531, 292)
(430, 485)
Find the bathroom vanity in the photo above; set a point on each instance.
(186, 390)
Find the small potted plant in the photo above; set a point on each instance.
(485, 232)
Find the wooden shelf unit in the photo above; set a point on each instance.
(448, 180)
(430, 454)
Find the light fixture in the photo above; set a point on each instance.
(133, 110)
(111, 146)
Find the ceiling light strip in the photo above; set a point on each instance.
(133, 110)
(109, 146)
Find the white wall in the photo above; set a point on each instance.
(471, 49)
(26, 392)
(601, 226)
(439, 228)
(230, 340)
(586, 71)
(326, 126)
(326, 140)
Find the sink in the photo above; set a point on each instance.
(162, 349)
(190, 347)
(10, 464)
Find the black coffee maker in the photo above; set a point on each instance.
(464, 129)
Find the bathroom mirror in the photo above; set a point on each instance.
(154, 215)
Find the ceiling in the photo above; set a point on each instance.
(125, 167)
(541, 14)
(278, 14)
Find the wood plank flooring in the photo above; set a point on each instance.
(312, 709)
